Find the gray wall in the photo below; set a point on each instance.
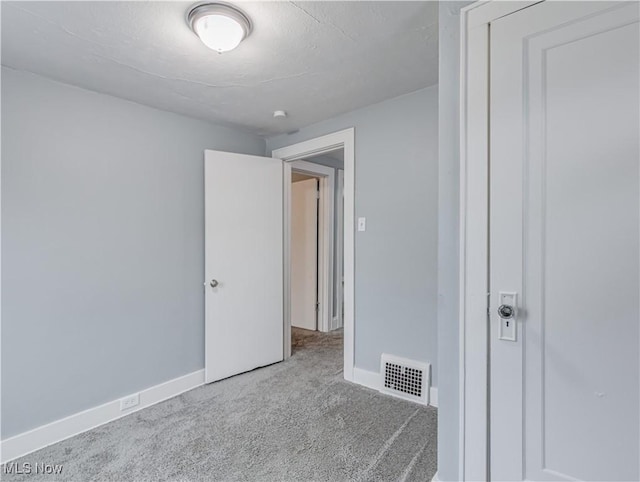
(396, 258)
(448, 239)
(102, 247)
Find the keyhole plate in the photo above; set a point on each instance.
(507, 303)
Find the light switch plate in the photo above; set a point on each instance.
(362, 224)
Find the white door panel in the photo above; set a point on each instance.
(243, 252)
(304, 254)
(564, 231)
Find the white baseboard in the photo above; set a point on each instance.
(372, 380)
(45, 435)
(435, 478)
(433, 396)
(366, 378)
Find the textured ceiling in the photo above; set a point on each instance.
(313, 59)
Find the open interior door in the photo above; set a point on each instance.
(304, 254)
(243, 263)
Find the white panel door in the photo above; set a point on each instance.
(304, 254)
(564, 236)
(243, 259)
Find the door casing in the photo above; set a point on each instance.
(475, 21)
(340, 248)
(344, 139)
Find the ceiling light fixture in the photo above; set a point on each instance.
(221, 27)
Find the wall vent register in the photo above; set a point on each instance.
(408, 379)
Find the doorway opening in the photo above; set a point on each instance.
(316, 248)
(342, 140)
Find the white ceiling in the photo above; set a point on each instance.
(313, 59)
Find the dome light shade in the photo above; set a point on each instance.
(221, 27)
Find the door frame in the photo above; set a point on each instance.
(344, 139)
(340, 248)
(326, 248)
(475, 21)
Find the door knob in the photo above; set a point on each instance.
(506, 312)
(213, 283)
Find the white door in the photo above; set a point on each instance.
(304, 254)
(564, 236)
(243, 262)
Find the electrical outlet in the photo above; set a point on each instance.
(129, 402)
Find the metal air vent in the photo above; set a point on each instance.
(404, 378)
